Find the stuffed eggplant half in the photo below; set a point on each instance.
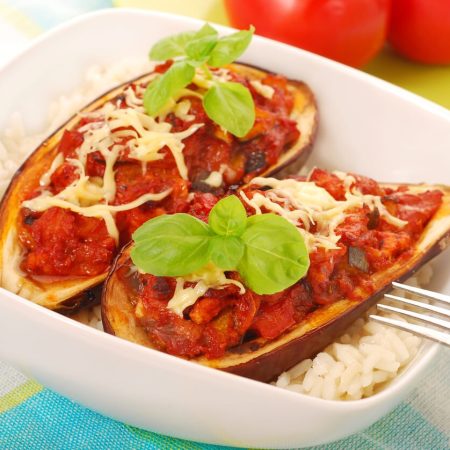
(359, 236)
(83, 192)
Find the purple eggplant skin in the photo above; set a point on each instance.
(264, 360)
(67, 294)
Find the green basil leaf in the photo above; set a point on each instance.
(228, 217)
(162, 89)
(226, 251)
(206, 30)
(171, 245)
(275, 255)
(230, 47)
(201, 45)
(171, 46)
(231, 106)
(195, 63)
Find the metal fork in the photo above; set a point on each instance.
(429, 321)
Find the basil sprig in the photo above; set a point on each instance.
(268, 251)
(228, 104)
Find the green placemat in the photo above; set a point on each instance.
(432, 82)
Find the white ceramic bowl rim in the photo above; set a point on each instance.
(100, 340)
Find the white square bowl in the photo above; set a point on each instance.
(366, 126)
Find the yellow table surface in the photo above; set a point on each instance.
(432, 82)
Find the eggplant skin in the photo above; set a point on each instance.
(265, 360)
(65, 294)
(70, 294)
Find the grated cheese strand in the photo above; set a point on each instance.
(45, 179)
(146, 136)
(101, 211)
(210, 277)
(215, 178)
(263, 89)
(111, 129)
(305, 204)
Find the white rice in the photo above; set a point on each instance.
(361, 361)
(357, 365)
(90, 316)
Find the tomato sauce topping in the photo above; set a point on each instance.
(60, 242)
(213, 324)
(223, 319)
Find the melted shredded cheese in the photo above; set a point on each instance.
(179, 106)
(215, 178)
(305, 204)
(146, 137)
(101, 211)
(210, 277)
(134, 98)
(207, 80)
(86, 194)
(45, 179)
(181, 111)
(263, 89)
(109, 127)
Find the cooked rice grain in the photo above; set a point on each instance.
(361, 361)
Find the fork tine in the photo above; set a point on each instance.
(436, 309)
(415, 315)
(423, 292)
(429, 333)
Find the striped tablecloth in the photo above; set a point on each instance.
(33, 417)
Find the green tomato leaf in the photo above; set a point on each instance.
(226, 251)
(171, 245)
(171, 46)
(201, 45)
(231, 106)
(162, 89)
(275, 255)
(230, 47)
(228, 217)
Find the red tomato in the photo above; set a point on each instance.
(349, 31)
(420, 30)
